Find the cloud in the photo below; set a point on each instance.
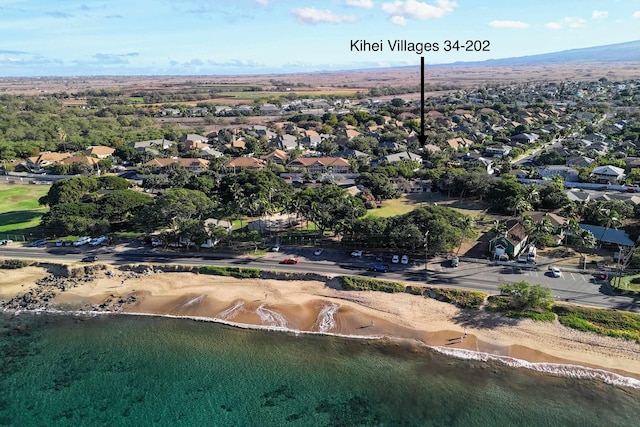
(114, 58)
(571, 22)
(418, 9)
(310, 15)
(114, 17)
(365, 4)
(599, 14)
(237, 63)
(398, 20)
(636, 14)
(508, 24)
(60, 15)
(12, 52)
(263, 2)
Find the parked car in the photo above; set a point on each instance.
(455, 261)
(82, 241)
(317, 252)
(68, 243)
(41, 242)
(379, 268)
(98, 241)
(5, 242)
(404, 260)
(290, 261)
(356, 254)
(275, 248)
(555, 272)
(395, 259)
(90, 258)
(59, 243)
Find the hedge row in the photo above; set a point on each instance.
(12, 264)
(607, 322)
(239, 272)
(353, 283)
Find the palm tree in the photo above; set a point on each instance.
(585, 239)
(466, 223)
(521, 205)
(62, 136)
(498, 228)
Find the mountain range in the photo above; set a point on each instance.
(619, 52)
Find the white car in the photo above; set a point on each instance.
(395, 259)
(555, 272)
(356, 254)
(404, 260)
(317, 252)
(82, 241)
(275, 248)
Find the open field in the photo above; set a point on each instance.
(19, 208)
(410, 202)
(459, 76)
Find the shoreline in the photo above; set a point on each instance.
(312, 307)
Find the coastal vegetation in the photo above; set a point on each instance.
(523, 300)
(613, 323)
(237, 272)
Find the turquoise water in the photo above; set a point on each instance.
(63, 370)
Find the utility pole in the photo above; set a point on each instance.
(426, 251)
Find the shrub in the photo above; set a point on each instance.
(239, 272)
(606, 322)
(459, 297)
(352, 283)
(12, 264)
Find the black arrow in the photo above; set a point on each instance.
(422, 137)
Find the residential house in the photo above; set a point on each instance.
(197, 111)
(556, 222)
(195, 165)
(350, 152)
(459, 142)
(84, 160)
(99, 151)
(240, 163)
(397, 157)
(154, 146)
(286, 142)
(269, 110)
(497, 150)
(608, 174)
(169, 112)
(277, 156)
(525, 138)
(608, 236)
(335, 165)
(510, 244)
(38, 164)
(580, 161)
(193, 140)
(567, 173)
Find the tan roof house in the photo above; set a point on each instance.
(39, 163)
(320, 165)
(459, 142)
(85, 160)
(276, 156)
(245, 163)
(100, 151)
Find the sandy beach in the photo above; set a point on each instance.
(321, 307)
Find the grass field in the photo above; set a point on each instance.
(19, 209)
(408, 203)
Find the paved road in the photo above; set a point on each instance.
(573, 287)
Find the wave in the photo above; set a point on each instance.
(326, 320)
(557, 369)
(194, 301)
(231, 312)
(271, 316)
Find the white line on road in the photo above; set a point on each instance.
(572, 276)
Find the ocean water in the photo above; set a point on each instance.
(120, 370)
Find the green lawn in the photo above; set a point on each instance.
(19, 209)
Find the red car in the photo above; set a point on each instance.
(290, 261)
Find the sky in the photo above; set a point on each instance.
(232, 37)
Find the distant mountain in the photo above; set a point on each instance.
(620, 52)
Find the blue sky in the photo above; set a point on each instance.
(181, 37)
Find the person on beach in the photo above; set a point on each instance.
(465, 332)
(372, 322)
(461, 338)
